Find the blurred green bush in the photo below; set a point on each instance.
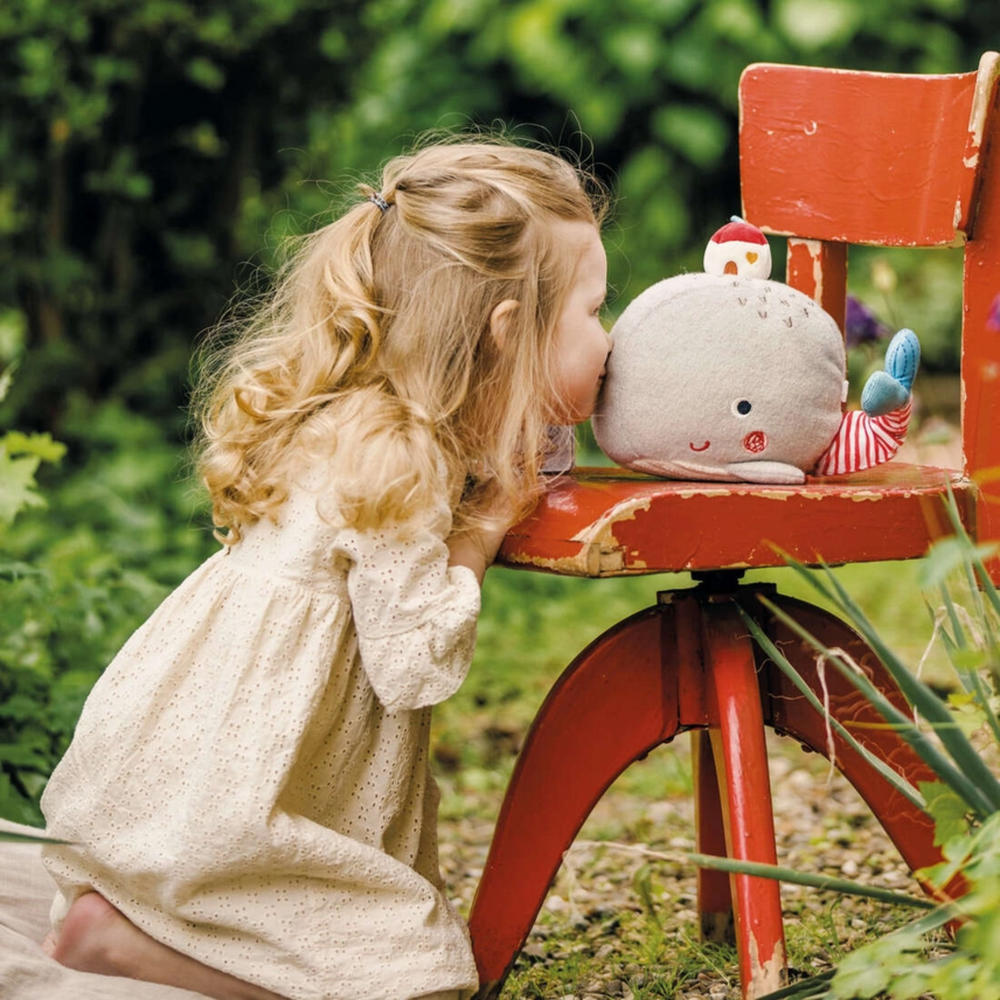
(150, 148)
(77, 576)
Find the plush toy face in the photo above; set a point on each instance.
(722, 378)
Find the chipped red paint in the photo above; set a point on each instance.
(611, 522)
(820, 271)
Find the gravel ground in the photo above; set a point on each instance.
(821, 824)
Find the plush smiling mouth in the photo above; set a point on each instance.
(694, 447)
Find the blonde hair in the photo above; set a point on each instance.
(374, 348)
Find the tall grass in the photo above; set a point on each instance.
(960, 739)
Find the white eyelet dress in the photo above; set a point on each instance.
(249, 782)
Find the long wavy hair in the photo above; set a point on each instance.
(373, 352)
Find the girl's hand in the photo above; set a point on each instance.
(476, 548)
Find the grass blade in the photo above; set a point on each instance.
(957, 637)
(898, 782)
(986, 584)
(979, 777)
(983, 701)
(814, 881)
(804, 989)
(959, 780)
(31, 838)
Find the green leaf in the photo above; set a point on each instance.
(815, 24)
(17, 485)
(42, 445)
(20, 756)
(31, 838)
(870, 970)
(20, 456)
(206, 73)
(948, 810)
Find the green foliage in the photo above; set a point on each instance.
(648, 87)
(136, 144)
(919, 289)
(964, 801)
(898, 965)
(149, 149)
(20, 456)
(77, 578)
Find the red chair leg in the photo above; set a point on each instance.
(688, 663)
(611, 706)
(715, 900)
(741, 766)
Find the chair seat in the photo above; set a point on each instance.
(612, 522)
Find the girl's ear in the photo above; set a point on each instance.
(500, 320)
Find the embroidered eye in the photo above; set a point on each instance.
(742, 407)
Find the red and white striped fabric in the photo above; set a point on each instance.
(864, 441)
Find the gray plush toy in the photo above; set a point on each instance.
(729, 376)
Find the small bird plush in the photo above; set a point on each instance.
(727, 375)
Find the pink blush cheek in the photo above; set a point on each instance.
(755, 442)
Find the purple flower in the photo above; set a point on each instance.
(863, 326)
(993, 319)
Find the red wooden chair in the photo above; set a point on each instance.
(827, 158)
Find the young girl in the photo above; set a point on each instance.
(247, 792)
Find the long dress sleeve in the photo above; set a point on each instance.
(415, 615)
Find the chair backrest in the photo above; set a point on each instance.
(834, 157)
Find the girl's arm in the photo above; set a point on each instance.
(476, 549)
(415, 595)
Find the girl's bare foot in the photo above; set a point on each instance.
(95, 937)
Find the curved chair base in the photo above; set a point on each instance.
(689, 663)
